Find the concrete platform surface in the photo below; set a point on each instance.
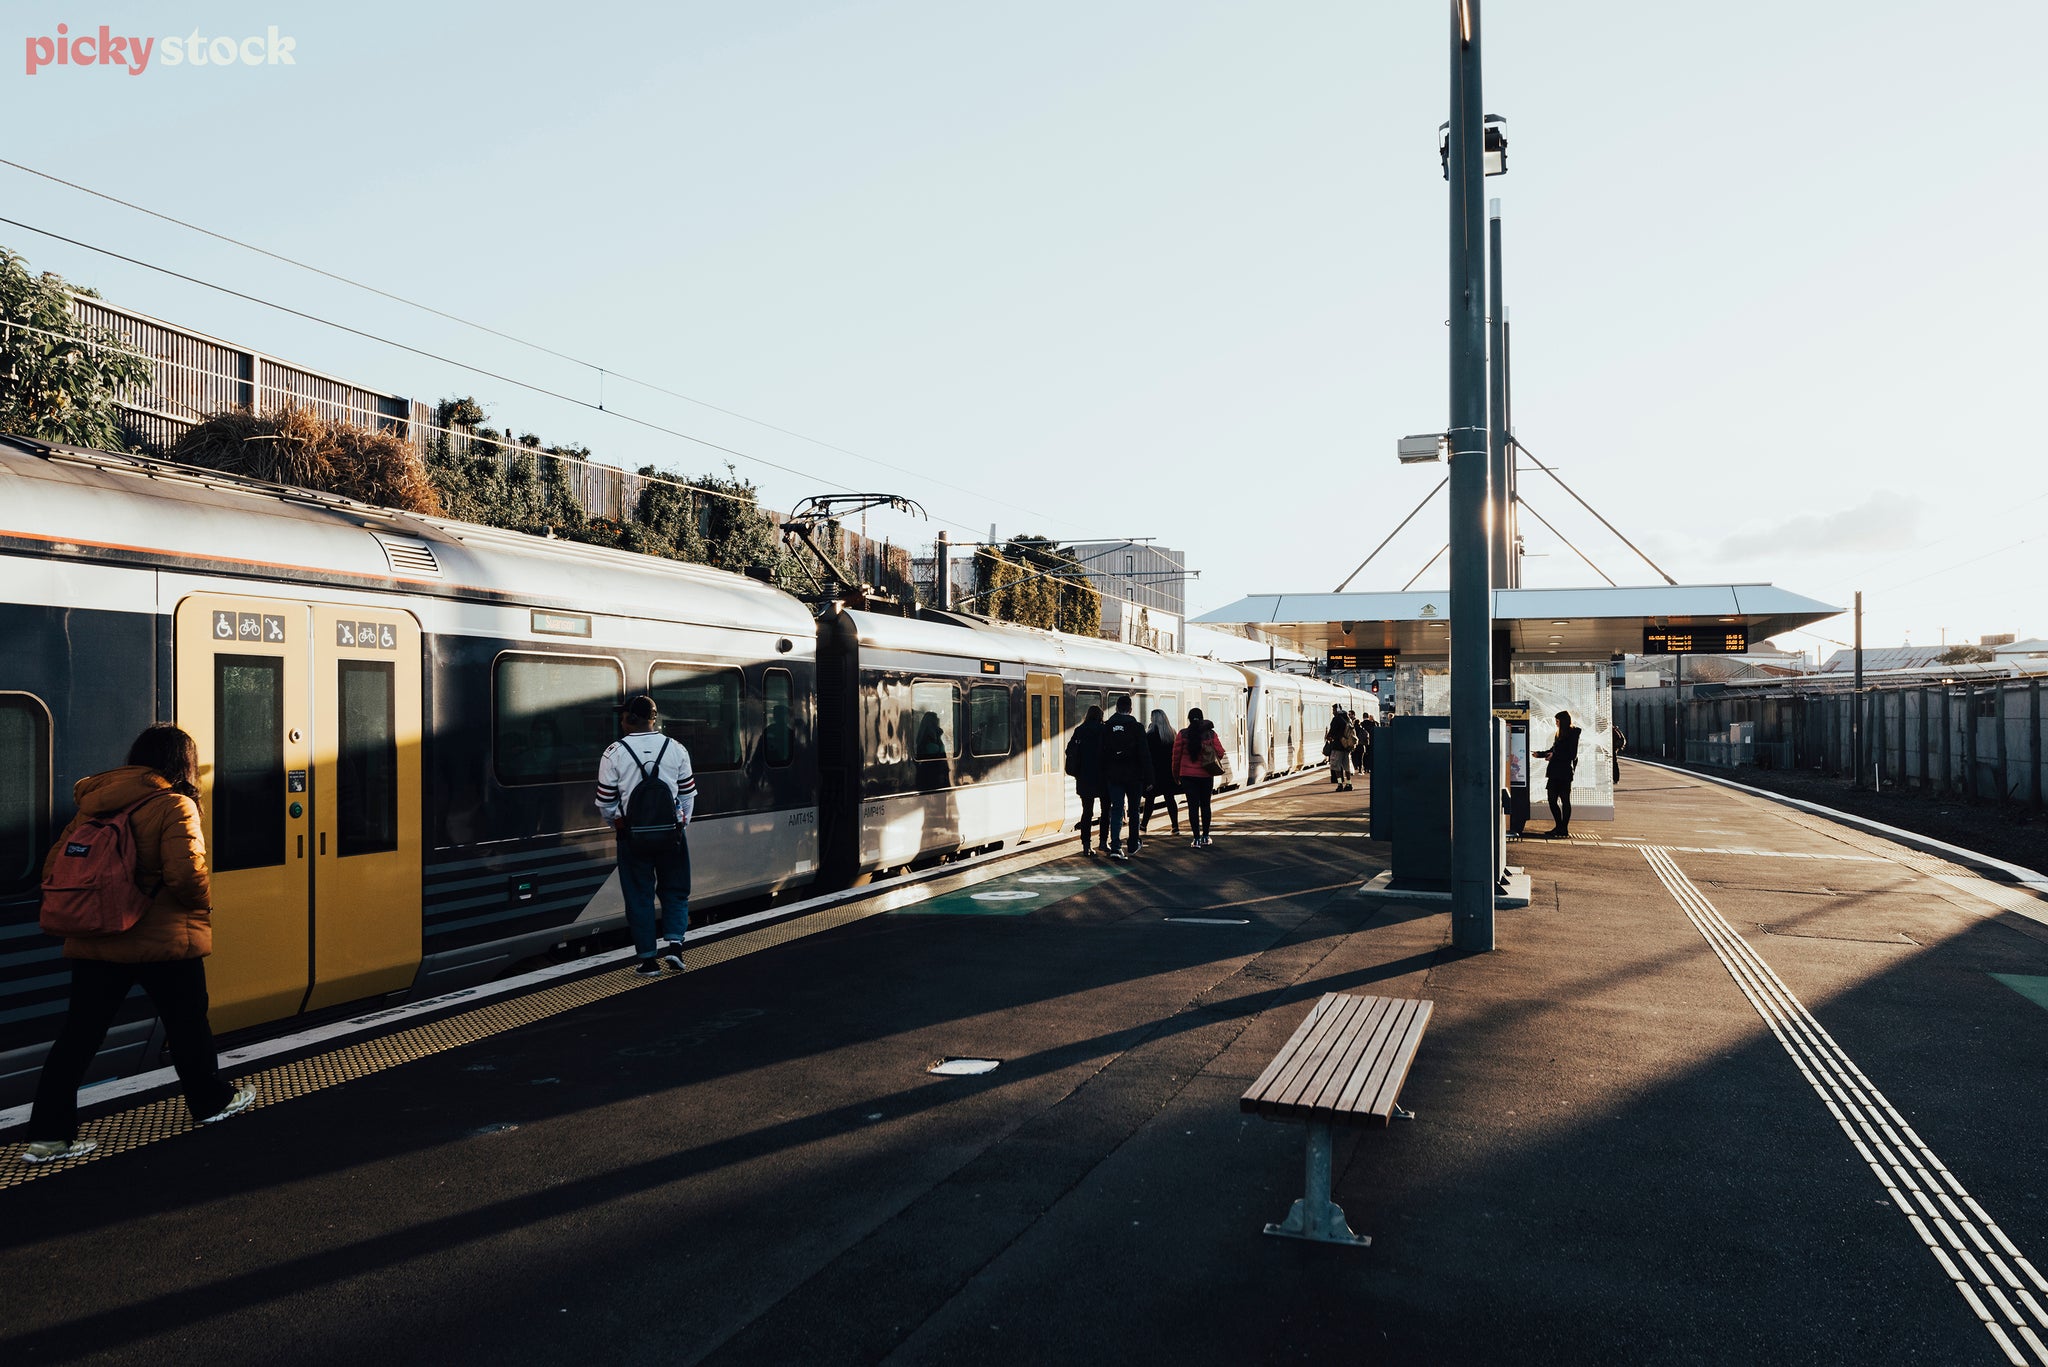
(1738, 1086)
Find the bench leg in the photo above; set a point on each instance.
(1315, 1216)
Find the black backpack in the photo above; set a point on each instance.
(1124, 741)
(651, 825)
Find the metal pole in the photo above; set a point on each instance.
(942, 564)
(1497, 429)
(1856, 702)
(1474, 812)
(1507, 427)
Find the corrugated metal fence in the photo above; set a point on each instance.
(1981, 739)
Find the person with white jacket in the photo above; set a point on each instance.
(654, 853)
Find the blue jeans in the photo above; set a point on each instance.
(641, 878)
(1117, 802)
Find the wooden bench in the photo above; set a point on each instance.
(1344, 1066)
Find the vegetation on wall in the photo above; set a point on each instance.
(1030, 581)
(59, 380)
(296, 446)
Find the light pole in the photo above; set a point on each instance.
(1474, 811)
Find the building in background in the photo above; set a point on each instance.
(1143, 588)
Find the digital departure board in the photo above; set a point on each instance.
(1342, 658)
(1701, 640)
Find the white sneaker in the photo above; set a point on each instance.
(50, 1150)
(240, 1102)
(672, 955)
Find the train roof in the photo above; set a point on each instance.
(966, 636)
(100, 506)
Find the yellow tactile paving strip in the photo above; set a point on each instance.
(124, 1131)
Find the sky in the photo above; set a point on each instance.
(1144, 268)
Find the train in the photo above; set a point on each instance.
(399, 718)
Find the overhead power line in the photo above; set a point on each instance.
(647, 423)
(602, 371)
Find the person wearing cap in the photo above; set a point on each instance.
(644, 755)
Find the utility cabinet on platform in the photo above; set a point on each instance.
(1411, 798)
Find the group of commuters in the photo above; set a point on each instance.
(1347, 744)
(1133, 768)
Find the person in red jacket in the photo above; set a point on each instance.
(1195, 750)
(165, 951)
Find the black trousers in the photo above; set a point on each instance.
(178, 991)
(1560, 807)
(1163, 798)
(1199, 791)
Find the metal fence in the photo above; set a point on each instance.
(1981, 740)
(193, 377)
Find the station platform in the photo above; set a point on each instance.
(1741, 1085)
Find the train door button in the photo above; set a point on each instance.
(298, 810)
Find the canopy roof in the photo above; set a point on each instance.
(1569, 624)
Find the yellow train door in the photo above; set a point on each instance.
(1045, 796)
(366, 821)
(309, 789)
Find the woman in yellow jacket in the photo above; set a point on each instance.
(165, 951)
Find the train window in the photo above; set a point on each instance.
(933, 722)
(700, 707)
(554, 716)
(248, 762)
(1037, 733)
(776, 734)
(988, 720)
(366, 781)
(24, 790)
(1169, 703)
(1085, 698)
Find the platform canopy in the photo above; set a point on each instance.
(1568, 624)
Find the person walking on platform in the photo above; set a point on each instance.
(134, 853)
(1368, 722)
(654, 850)
(1198, 762)
(1563, 755)
(1084, 766)
(1338, 742)
(1126, 769)
(1163, 785)
(1620, 744)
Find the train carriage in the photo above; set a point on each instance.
(946, 733)
(398, 717)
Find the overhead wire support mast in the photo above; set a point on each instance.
(1516, 442)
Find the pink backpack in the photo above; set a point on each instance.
(91, 889)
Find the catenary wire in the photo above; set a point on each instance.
(603, 372)
(647, 423)
(353, 410)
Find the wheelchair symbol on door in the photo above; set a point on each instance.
(223, 626)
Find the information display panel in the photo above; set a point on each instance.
(1702, 640)
(1347, 658)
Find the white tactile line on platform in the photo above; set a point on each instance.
(1577, 843)
(1901, 1159)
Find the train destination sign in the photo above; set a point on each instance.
(1714, 640)
(1344, 658)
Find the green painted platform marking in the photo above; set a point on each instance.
(2033, 989)
(1019, 894)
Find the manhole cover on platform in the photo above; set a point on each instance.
(1208, 920)
(1004, 895)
